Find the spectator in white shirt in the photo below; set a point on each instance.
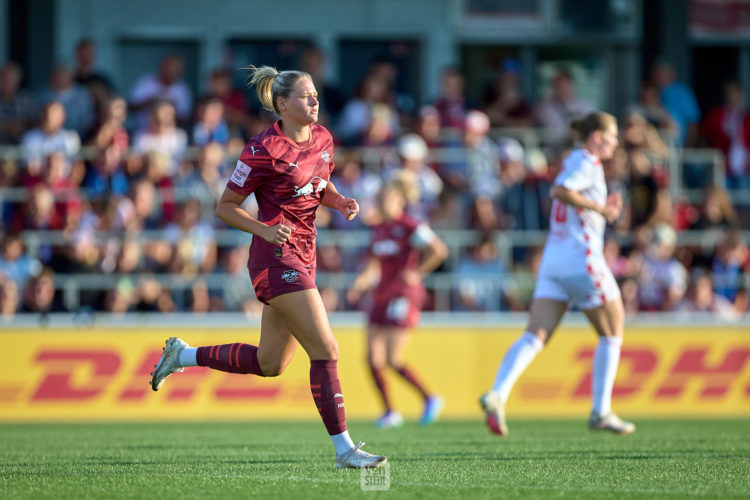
(166, 84)
(163, 136)
(50, 137)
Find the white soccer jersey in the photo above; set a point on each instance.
(573, 266)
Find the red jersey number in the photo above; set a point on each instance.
(560, 212)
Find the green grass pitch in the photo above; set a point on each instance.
(460, 459)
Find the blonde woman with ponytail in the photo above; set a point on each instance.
(288, 168)
(573, 272)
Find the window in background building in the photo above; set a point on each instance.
(586, 67)
(502, 7)
(139, 57)
(357, 57)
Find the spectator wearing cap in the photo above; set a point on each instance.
(412, 152)
(525, 201)
(17, 107)
(679, 100)
(451, 103)
(79, 107)
(167, 84)
(728, 128)
(504, 101)
(556, 111)
(662, 280)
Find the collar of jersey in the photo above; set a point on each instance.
(291, 142)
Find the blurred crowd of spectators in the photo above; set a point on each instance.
(103, 165)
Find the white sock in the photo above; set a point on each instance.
(518, 357)
(606, 359)
(188, 357)
(342, 442)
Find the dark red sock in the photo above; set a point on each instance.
(233, 358)
(379, 378)
(326, 391)
(411, 377)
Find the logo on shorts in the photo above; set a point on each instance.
(326, 156)
(290, 276)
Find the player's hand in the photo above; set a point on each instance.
(278, 234)
(613, 207)
(411, 277)
(353, 295)
(349, 207)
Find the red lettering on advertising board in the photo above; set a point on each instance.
(716, 379)
(181, 386)
(59, 366)
(236, 386)
(637, 363)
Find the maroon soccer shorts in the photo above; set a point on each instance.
(401, 312)
(270, 282)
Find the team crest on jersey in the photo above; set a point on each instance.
(326, 156)
(290, 275)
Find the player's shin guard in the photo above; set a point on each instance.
(326, 391)
(606, 359)
(411, 377)
(379, 379)
(233, 358)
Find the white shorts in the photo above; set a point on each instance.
(587, 290)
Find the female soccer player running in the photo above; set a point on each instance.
(288, 167)
(573, 271)
(395, 265)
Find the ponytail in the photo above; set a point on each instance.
(271, 84)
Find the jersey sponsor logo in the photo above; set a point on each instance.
(290, 275)
(253, 150)
(385, 247)
(326, 156)
(310, 187)
(241, 171)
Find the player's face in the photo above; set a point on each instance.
(608, 142)
(391, 203)
(302, 104)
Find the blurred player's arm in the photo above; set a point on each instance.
(364, 280)
(229, 209)
(433, 253)
(610, 211)
(333, 199)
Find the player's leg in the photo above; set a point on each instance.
(305, 317)
(609, 322)
(544, 317)
(269, 359)
(397, 340)
(376, 359)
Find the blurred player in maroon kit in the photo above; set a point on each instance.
(288, 167)
(396, 267)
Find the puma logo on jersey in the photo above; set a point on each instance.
(241, 171)
(309, 189)
(252, 148)
(293, 165)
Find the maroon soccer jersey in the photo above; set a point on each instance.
(393, 245)
(289, 181)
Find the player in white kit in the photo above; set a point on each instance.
(573, 272)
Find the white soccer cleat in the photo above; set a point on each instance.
(390, 420)
(610, 422)
(359, 459)
(168, 363)
(494, 411)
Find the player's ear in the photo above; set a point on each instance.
(281, 103)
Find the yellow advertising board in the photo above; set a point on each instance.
(103, 374)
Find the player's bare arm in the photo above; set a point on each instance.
(229, 209)
(333, 199)
(610, 211)
(432, 256)
(364, 280)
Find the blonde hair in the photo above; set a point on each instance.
(270, 84)
(593, 122)
(405, 182)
